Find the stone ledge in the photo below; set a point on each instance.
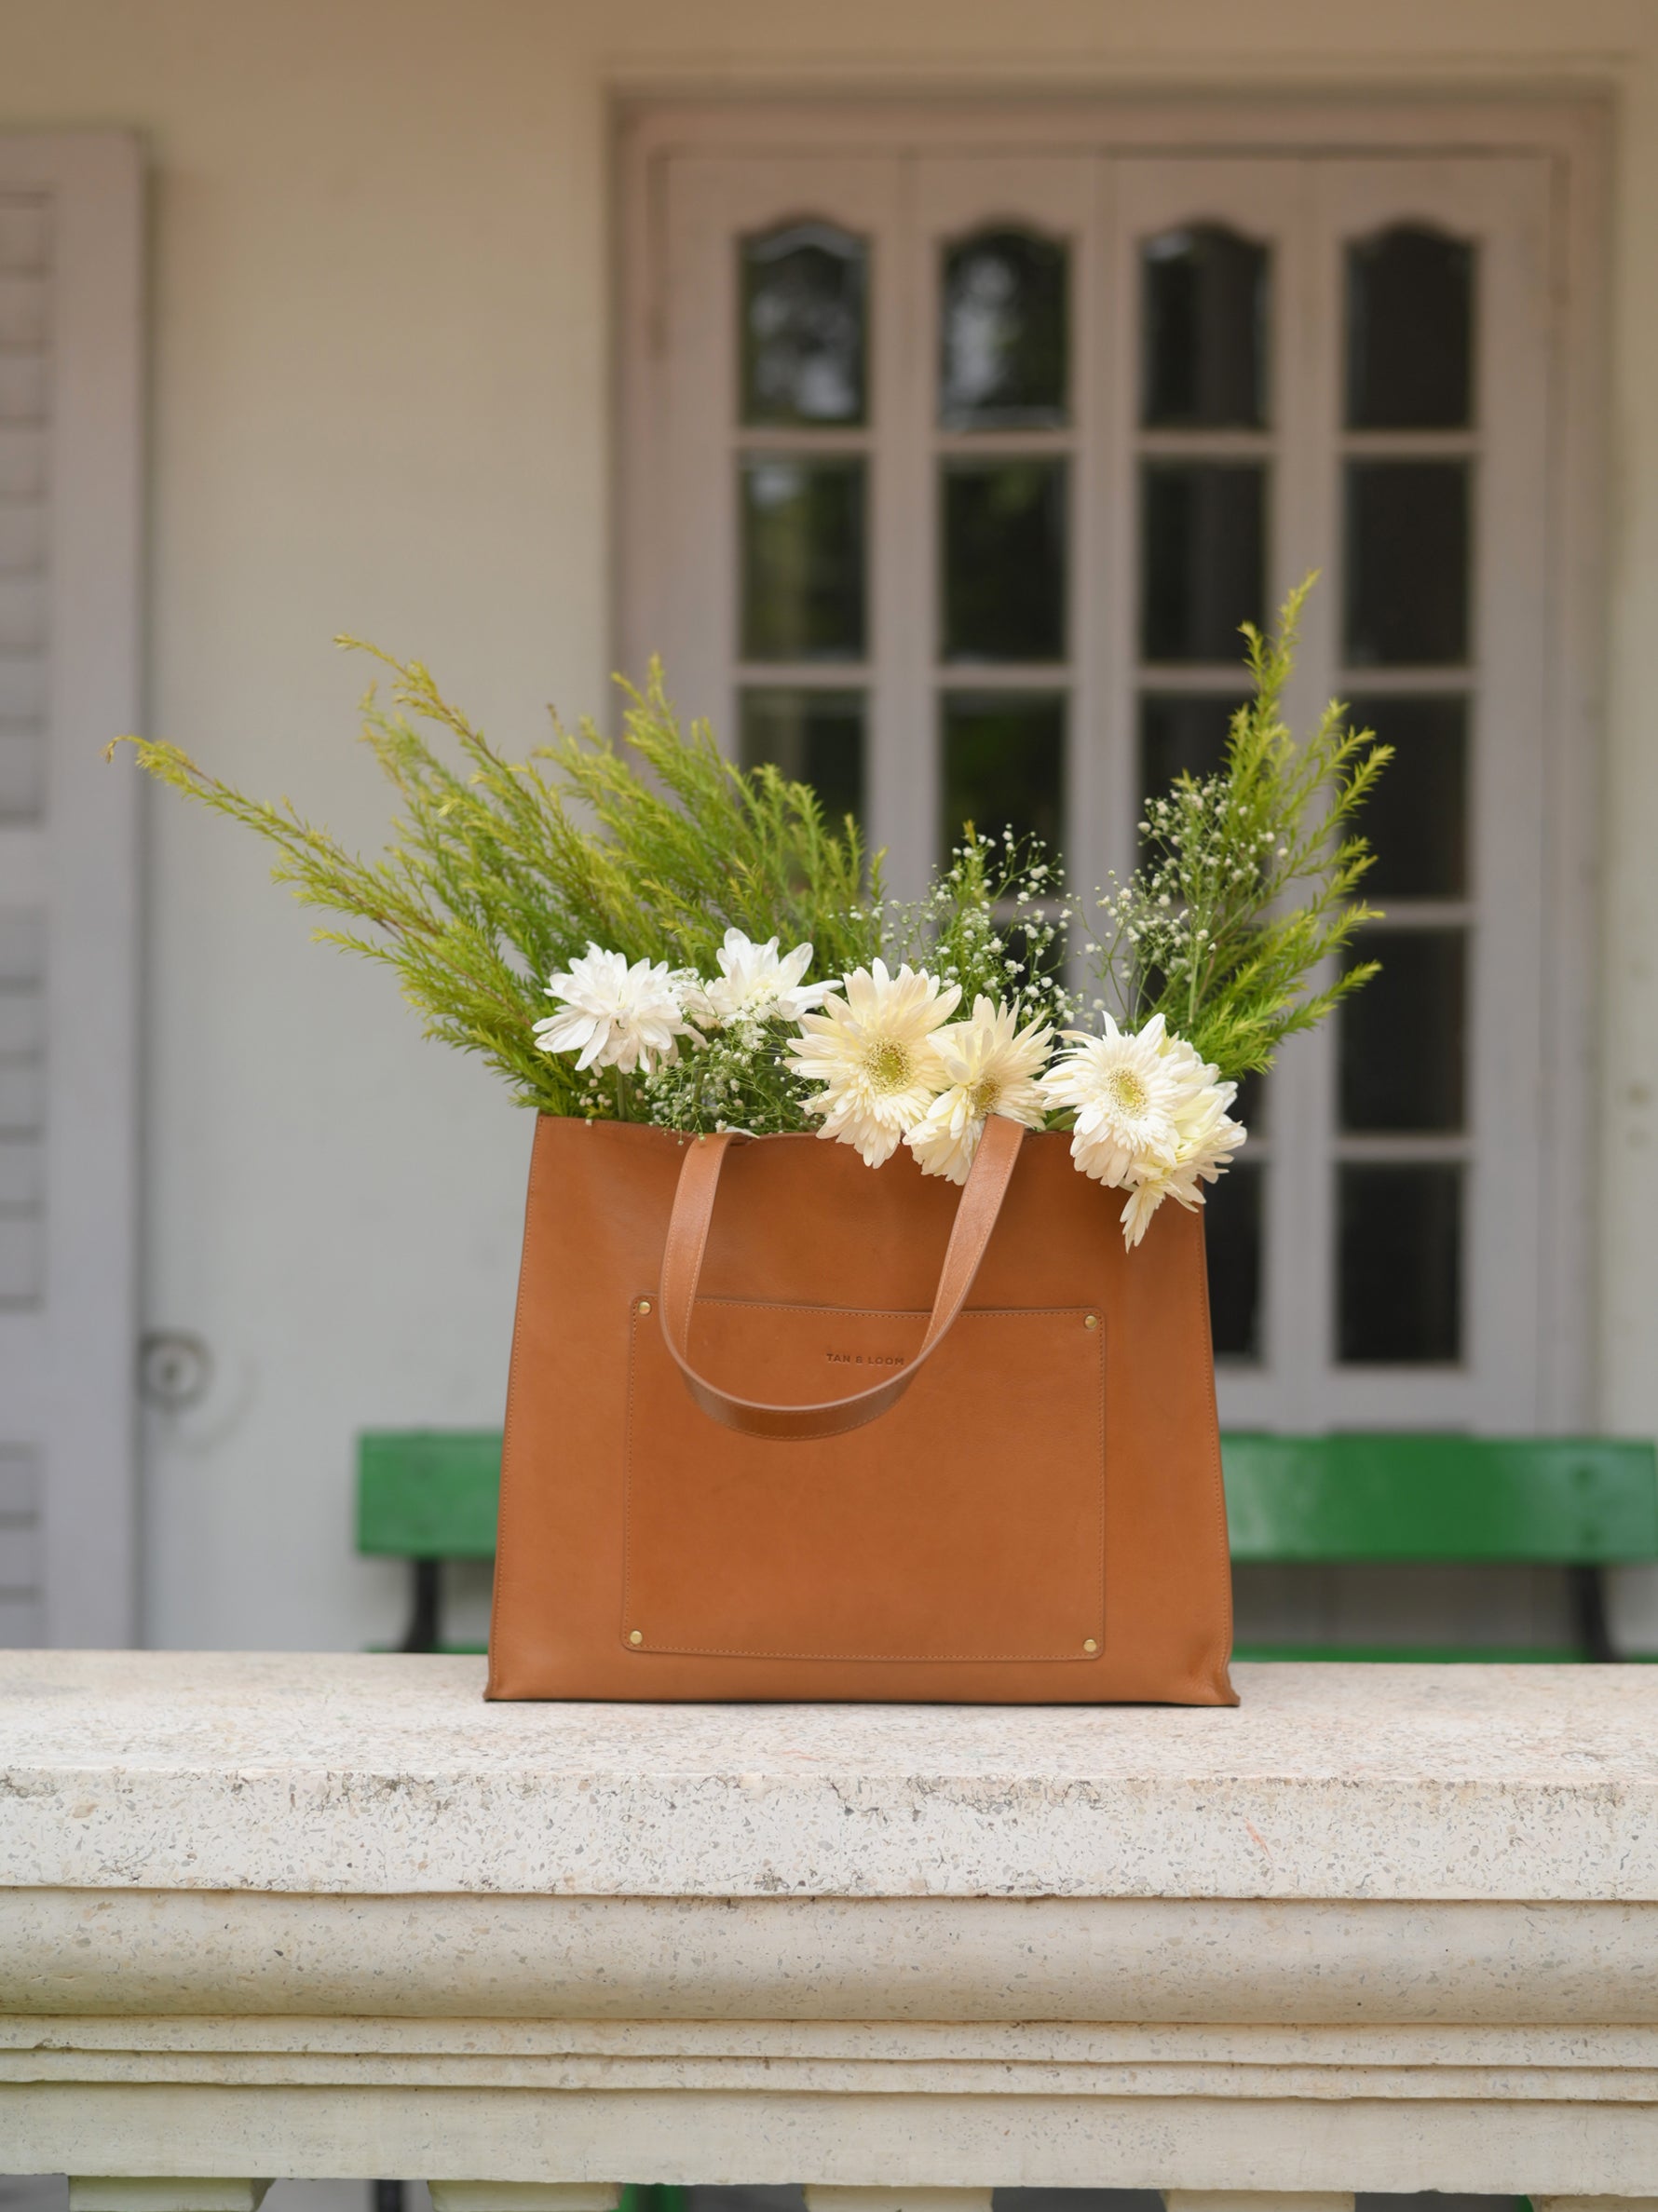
(876, 1960)
(771, 2076)
(361, 1775)
(990, 2141)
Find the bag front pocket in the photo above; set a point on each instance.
(967, 1523)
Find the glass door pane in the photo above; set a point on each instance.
(755, 516)
(805, 557)
(1004, 333)
(1410, 301)
(1200, 253)
(810, 737)
(1205, 298)
(1003, 548)
(803, 340)
(1003, 258)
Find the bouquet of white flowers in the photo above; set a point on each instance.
(889, 1066)
(649, 898)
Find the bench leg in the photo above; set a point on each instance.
(1256, 2200)
(162, 2192)
(1586, 1588)
(525, 2196)
(827, 2197)
(424, 1630)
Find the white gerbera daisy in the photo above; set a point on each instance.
(1158, 1125)
(755, 985)
(874, 1053)
(613, 1015)
(1125, 1091)
(988, 1068)
(1208, 1138)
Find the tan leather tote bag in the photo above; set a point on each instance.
(782, 1426)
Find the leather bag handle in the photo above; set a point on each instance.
(976, 1215)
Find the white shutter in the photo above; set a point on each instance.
(70, 274)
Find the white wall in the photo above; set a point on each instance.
(380, 395)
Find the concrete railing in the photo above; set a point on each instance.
(1380, 1929)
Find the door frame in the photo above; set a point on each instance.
(1573, 134)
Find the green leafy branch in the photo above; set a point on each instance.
(496, 872)
(1249, 888)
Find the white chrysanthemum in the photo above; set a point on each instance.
(875, 1052)
(989, 1067)
(613, 1015)
(755, 985)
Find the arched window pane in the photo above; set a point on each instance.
(804, 337)
(1003, 332)
(1409, 331)
(1205, 299)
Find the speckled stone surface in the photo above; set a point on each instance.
(389, 1775)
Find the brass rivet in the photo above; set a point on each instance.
(1091, 1321)
(645, 1305)
(636, 1636)
(1089, 1645)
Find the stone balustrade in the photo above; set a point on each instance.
(1381, 1928)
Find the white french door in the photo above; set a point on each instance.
(961, 467)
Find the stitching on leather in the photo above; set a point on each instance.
(627, 1471)
(1099, 1548)
(905, 1375)
(899, 1312)
(875, 1658)
(1197, 1292)
(862, 1312)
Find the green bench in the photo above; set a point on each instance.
(1582, 1504)
(1579, 1503)
(428, 1496)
